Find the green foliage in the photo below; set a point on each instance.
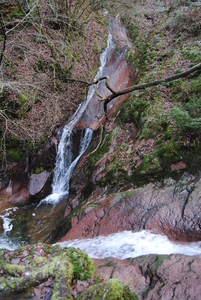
(83, 266)
(193, 54)
(183, 90)
(132, 28)
(13, 10)
(133, 111)
(14, 154)
(188, 117)
(194, 106)
(128, 295)
(39, 170)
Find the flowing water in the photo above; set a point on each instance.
(64, 161)
(33, 223)
(129, 244)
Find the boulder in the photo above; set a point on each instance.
(37, 182)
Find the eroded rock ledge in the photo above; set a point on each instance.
(173, 210)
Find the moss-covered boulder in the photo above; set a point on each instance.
(50, 272)
(24, 269)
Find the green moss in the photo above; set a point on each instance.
(22, 105)
(39, 170)
(39, 260)
(158, 262)
(58, 266)
(83, 266)
(14, 149)
(128, 295)
(11, 269)
(14, 155)
(22, 98)
(109, 290)
(103, 148)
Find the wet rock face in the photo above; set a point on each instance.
(171, 210)
(20, 191)
(121, 75)
(156, 276)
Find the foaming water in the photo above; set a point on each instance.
(64, 161)
(6, 216)
(129, 244)
(65, 164)
(7, 220)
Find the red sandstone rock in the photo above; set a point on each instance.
(121, 75)
(156, 277)
(173, 210)
(20, 197)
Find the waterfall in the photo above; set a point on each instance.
(64, 161)
(129, 244)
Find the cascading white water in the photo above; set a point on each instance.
(64, 160)
(129, 244)
(65, 164)
(7, 227)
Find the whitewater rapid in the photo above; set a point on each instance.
(128, 244)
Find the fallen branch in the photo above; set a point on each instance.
(132, 88)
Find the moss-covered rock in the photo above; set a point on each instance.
(43, 262)
(32, 265)
(109, 290)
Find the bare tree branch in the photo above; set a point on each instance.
(132, 88)
(21, 21)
